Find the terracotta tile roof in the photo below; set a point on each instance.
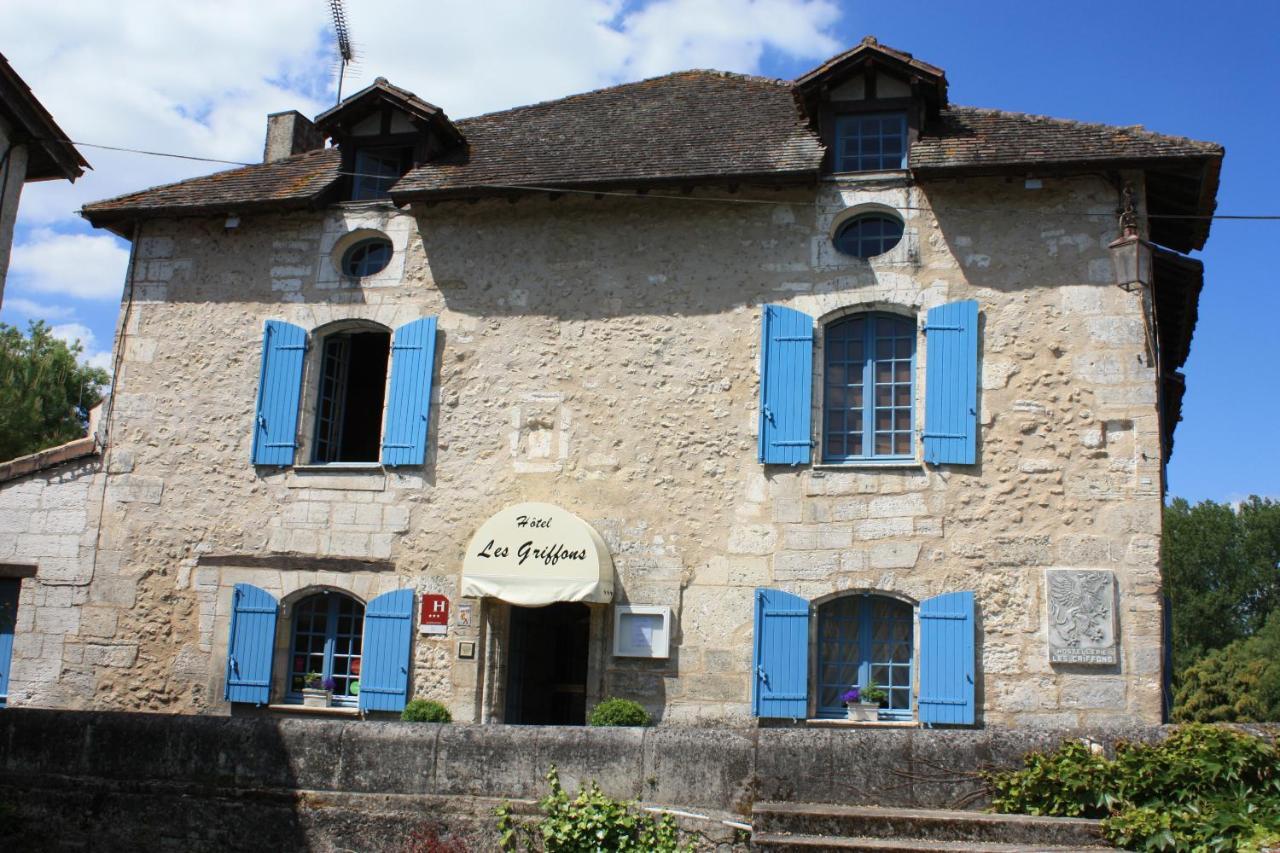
(969, 137)
(691, 124)
(292, 182)
(688, 126)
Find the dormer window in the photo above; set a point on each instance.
(870, 104)
(383, 131)
(376, 169)
(870, 142)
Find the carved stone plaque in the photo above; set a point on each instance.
(1082, 617)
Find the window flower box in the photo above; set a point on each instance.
(863, 703)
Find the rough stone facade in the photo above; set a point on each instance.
(602, 355)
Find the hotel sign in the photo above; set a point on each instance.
(534, 554)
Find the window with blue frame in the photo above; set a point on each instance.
(865, 639)
(870, 142)
(327, 631)
(868, 388)
(376, 169)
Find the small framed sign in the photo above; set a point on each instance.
(642, 631)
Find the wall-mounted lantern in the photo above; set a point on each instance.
(1130, 254)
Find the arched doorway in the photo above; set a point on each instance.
(864, 639)
(327, 636)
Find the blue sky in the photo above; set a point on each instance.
(200, 78)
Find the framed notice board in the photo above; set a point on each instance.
(641, 631)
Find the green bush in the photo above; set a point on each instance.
(619, 712)
(1203, 787)
(426, 711)
(589, 823)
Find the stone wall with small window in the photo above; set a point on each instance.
(603, 355)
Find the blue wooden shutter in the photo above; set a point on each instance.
(947, 659)
(8, 622)
(951, 384)
(413, 356)
(786, 385)
(275, 432)
(781, 660)
(251, 644)
(384, 664)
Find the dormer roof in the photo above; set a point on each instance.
(337, 121)
(928, 81)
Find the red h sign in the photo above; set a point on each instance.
(435, 610)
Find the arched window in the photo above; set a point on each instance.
(327, 632)
(868, 393)
(865, 639)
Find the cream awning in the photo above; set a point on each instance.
(533, 554)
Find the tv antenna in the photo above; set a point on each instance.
(346, 54)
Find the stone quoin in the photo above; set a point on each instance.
(793, 385)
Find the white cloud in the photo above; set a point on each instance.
(89, 266)
(73, 332)
(33, 310)
(503, 53)
(200, 78)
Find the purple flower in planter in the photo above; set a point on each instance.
(329, 684)
(851, 695)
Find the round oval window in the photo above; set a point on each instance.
(868, 236)
(367, 257)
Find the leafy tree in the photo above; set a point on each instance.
(1220, 570)
(1239, 683)
(45, 392)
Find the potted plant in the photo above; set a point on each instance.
(317, 691)
(863, 703)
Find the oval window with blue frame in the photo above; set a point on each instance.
(869, 235)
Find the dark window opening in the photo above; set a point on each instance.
(871, 142)
(547, 665)
(376, 169)
(353, 379)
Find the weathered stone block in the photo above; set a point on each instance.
(752, 539)
(816, 537)
(897, 505)
(895, 555)
(882, 528)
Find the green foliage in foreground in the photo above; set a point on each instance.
(1239, 683)
(589, 823)
(619, 712)
(45, 393)
(425, 711)
(1203, 788)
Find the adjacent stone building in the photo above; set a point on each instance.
(720, 393)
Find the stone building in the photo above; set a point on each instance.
(720, 393)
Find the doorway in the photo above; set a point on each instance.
(547, 665)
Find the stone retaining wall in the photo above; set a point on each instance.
(123, 781)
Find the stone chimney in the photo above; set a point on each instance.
(290, 133)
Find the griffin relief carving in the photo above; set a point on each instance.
(1081, 617)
